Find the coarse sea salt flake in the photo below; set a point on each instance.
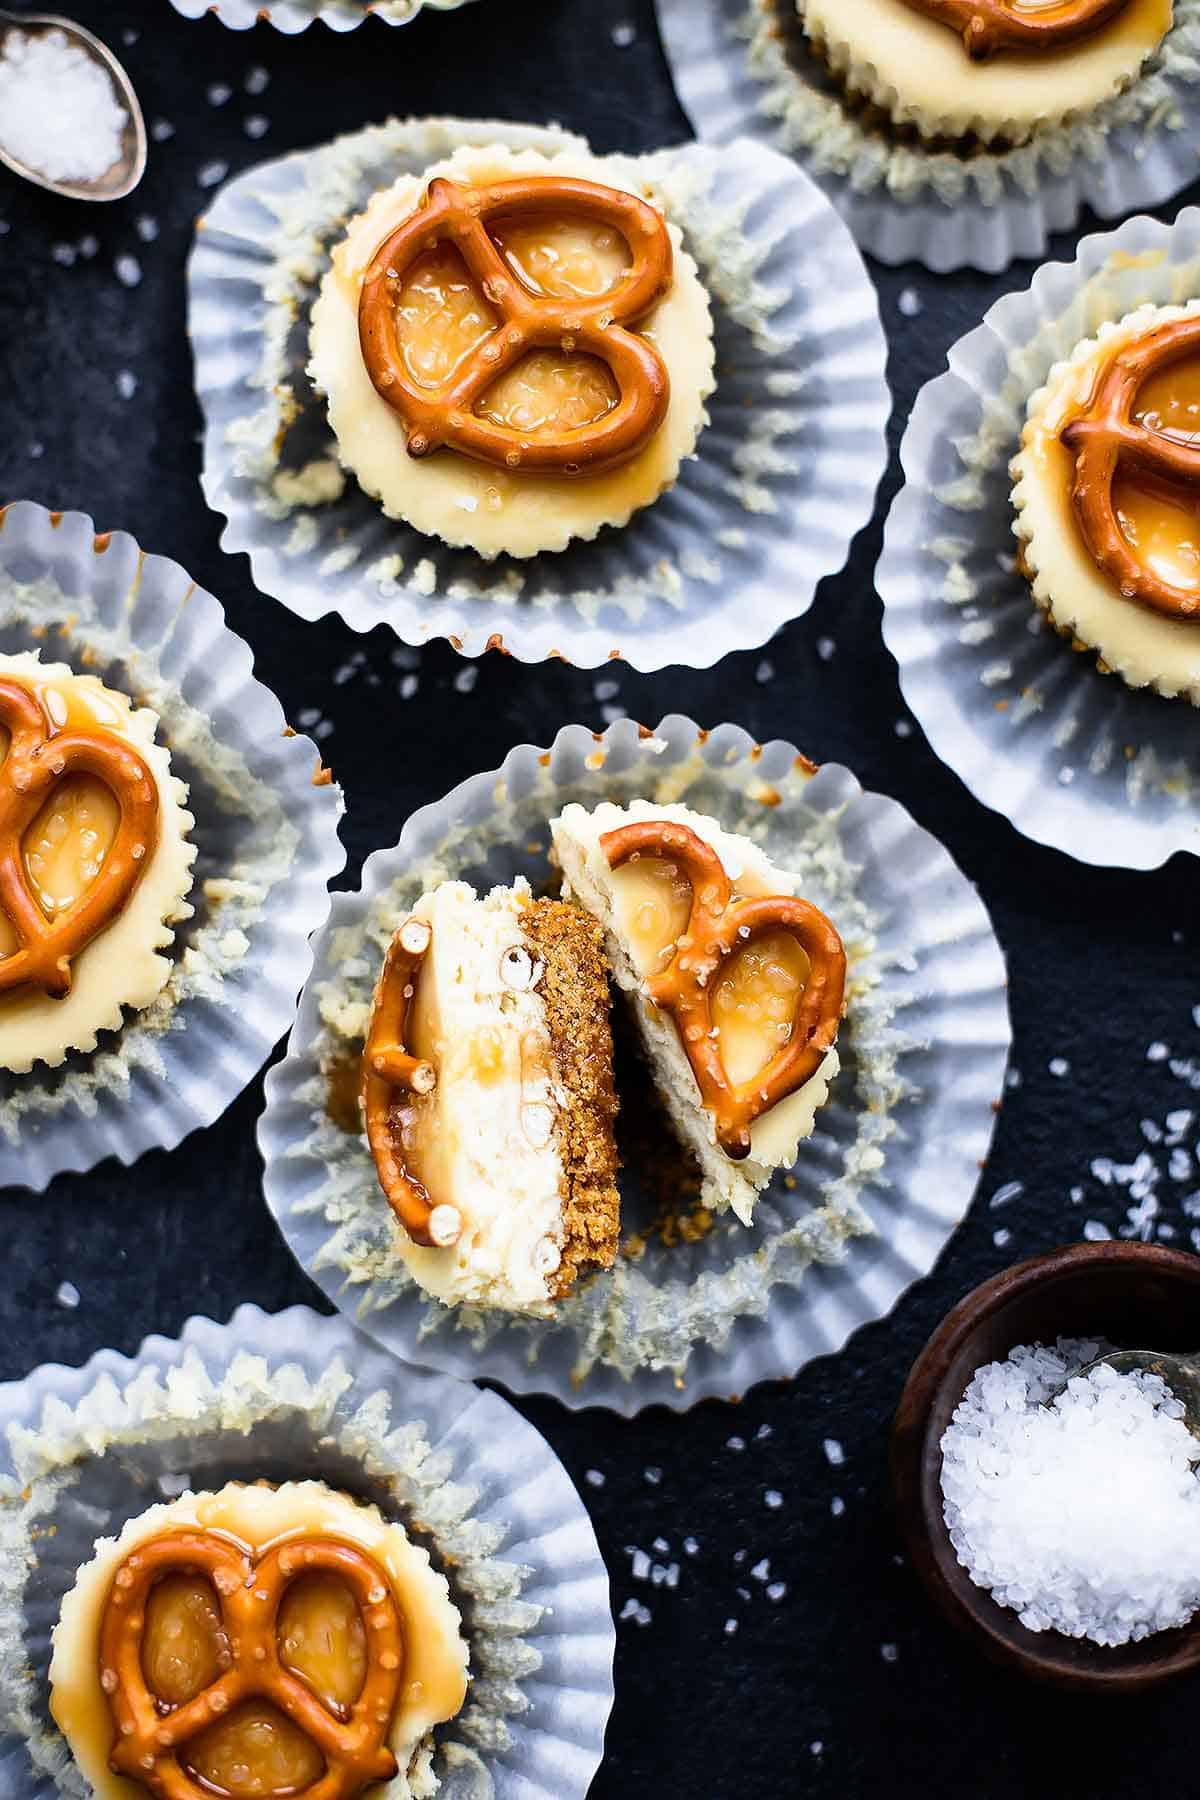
(1074, 1498)
(59, 112)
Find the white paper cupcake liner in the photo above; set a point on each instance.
(267, 843)
(1074, 758)
(783, 477)
(875, 1193)
(291, 16)
(744, 68)
(292, 1397)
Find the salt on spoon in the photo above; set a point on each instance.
(51, 72)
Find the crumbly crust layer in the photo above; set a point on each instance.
(917, 69)
(575, 994)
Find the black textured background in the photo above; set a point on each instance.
(844, 1684)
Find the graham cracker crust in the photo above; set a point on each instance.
(574, 992)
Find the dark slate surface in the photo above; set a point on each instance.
(844, 1684)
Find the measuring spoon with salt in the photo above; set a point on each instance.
(128, 166)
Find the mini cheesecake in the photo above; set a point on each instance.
(72, 846)
(489, 1099)
(438, 318)
(1094, 600)
(910, 58)
(723, 1017)
(181, 1642)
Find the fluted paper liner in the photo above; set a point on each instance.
(292, 1397)
(743, 68)
(1075, 758)
(876, 1191)
(291, 16)
(266, 837)
(783, 476)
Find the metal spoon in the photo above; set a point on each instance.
(1181, 1374)
(127, 171)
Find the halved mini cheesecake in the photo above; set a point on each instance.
(737, 983)
(488, 1096)
(253, 1642)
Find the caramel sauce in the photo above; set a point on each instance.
(653, 900)
(549, 393)
(565, 258)
(755, 1000)
(66, 844)
(343, 1081)
(1159, 522)
(323, 1640)
(184, 1648)
(440, 316)
(255, 1751)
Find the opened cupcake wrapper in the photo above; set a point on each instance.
(291, 16)
(876, 1191)
(293, 1397)
(1074, 758)
(743, 68)
(783, 477)
(266, 837)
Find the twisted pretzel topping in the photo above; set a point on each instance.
(594, 326)
(148, 1739)
(388, 1069)
(990, 25)
(1107, 436)
(718, 927)
(40, 755)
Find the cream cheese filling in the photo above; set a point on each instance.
(1146, 648)
(435, 1653)
(640, 917)
(450, 496)
(918, 70)
(123, 966)
(484, 1140)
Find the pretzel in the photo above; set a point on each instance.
(387, 1069)
(1106, 436)
(595, 326)
(718, 927)
(991, 25)
(40, 755)
(148, 1739)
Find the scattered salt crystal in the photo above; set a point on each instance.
(409, 686)
(127, 383)
(764, 672)
(209, 174)
(762, 1570)
(1082, 1515)
(889, 1652)
(147, 228)
(1058, 1065)
(764, 1431)
(1012, 1190)
(826, 649)
(37, 450)
(1157, 1052)
(690, 1546)
(837, 1506)
(623, 34)
(639, 1567)
(835, 1456)
(653, 1476)
(633, 1609)
(773, 1498)
(776, 1590)
(257, 80)
(256, 125)
(735, 1443)
(128, 271)
(1001, 1238)
(903, 728)
(161, 130)
(59, 112)
(908, 303)
(1013, 1079)
(816, 1747)
(219, 92)
(606, 690)
(1095, 1232)
(594, 1478)
(67, 1295)
(661, 1545)
(88, 246)
(63, 254)
(465, 680)
(731, 1626)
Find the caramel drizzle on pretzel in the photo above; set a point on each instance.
(148, 1739)
(40, 756)
(388, 1070)
(1106, 437)
(595, 326)
(990, 25)
(718, 927)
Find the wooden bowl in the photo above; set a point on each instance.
(1137, 1296)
